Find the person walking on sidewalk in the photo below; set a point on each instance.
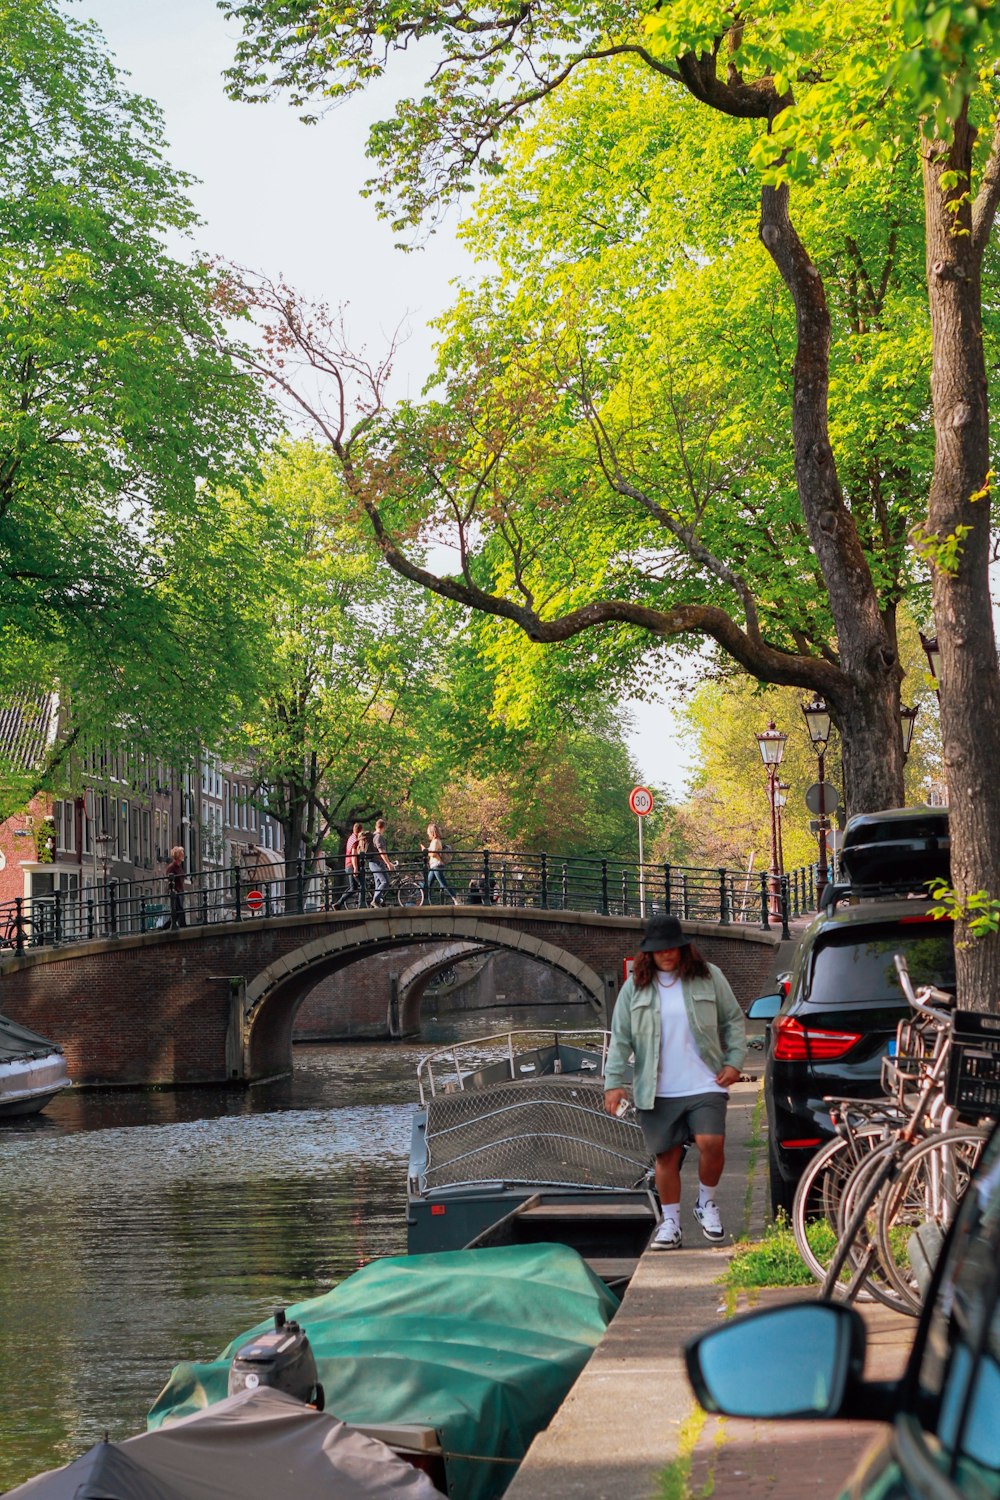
(679, 1019)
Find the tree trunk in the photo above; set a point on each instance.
(970, 679)
(866, 710)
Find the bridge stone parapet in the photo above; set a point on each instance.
(217, 1003)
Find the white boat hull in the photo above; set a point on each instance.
(28, 1083)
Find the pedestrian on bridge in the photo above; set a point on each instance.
(350, 868)
(175, 887)
(379, 862)
(435, 863)
(677, 1016)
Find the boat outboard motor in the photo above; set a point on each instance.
(282, 1359)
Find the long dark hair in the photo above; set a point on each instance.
(691, 966)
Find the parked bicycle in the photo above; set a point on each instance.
(872, 1207)
(402, 888)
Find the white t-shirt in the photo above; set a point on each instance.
(681, 1070)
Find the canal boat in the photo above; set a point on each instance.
(455, 1360)
(511, 1145)
(32, 1070)
(255, 1445)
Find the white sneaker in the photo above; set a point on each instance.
(667, 1236)
(707, 1215)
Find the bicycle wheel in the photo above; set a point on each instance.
(854, 1269)
(917, 1208)
(859, 1212)
(409, 891)
(815, 1209)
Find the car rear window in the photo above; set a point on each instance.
(851, 966)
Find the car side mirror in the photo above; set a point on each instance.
(799, 1360)
(764, 1008)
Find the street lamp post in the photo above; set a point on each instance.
(771, 744)
(907, 719)
(932, 651)
(819, 723)
(781, 791)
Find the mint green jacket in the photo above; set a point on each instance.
(714, 1016)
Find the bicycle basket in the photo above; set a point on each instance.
(973, 1086)
(909, 1055)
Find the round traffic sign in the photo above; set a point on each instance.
(255, 899)
(831, 797)
(641, 801)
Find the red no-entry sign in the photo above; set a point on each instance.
(255, 899)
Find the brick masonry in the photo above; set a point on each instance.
(218, 1003)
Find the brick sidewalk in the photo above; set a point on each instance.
(750, 1460)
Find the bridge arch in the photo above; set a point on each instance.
(415, 979)
(272, 997)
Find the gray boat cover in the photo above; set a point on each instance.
(257, 1445)
(18, 1041)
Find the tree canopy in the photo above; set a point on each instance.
(122, 403)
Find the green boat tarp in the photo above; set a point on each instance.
(482, 1345)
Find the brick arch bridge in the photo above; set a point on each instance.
(217, 1003)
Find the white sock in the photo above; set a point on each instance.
(705, 1195)
(671, 1212)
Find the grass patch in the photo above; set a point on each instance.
(772, 1261)
(674, 1481)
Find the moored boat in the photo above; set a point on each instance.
(255, 1445)
(455, 1360)
(511, 1144)
(32, 1070)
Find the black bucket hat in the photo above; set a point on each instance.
(663, 932)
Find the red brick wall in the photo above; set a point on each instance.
(155, 1008)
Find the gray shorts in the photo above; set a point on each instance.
(671, 1122)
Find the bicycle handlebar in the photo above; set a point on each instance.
(927, 993)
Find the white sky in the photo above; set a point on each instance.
(284, 198)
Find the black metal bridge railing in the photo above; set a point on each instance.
(550, 882)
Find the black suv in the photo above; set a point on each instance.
(843, 1001)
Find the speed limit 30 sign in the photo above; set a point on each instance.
(641, 801)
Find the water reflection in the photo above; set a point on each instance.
(137, 1229)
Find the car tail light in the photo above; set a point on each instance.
(794, 1042)
(807, 1142)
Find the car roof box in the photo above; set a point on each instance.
(901, 848)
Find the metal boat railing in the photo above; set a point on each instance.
(471, 1062)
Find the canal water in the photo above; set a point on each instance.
(138, 1229)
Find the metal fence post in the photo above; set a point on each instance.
(487, 890)
(238, 894)
(113, 907)
(565, 886)
(765, 920)
(666, 889)
(90, 918)
(204, 899)
(57, 917)
(684, 897)
(300, 890)
(784, 908)
(604, 887)
(18, 924)
(723, 898)
(545, 880)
